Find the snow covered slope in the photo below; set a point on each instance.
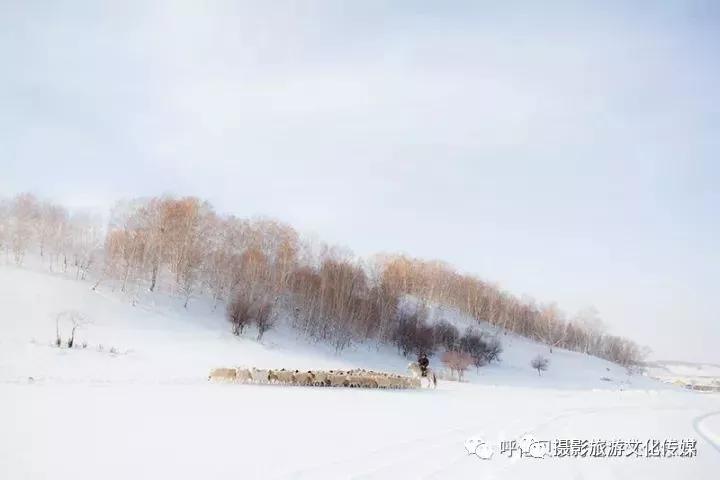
(156, 340)
(135, 402)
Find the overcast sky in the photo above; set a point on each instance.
(564, 151)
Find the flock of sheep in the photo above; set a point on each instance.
(358, 378)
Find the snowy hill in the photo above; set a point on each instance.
(156, 340)
(132, 400)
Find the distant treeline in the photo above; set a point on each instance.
(256, 266)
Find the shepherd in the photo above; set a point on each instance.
(424, 363)
(421, 369)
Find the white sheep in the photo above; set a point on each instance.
(368, 382)
(413, 383)
(242, 375)
(304, 378)
(338, 379)
(354, 380)
(222, 375)
(282, 376)
(259, 376)
(320, 378)
(384, 381)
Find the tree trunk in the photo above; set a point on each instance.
(154, 277)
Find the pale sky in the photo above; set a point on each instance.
(568, 151)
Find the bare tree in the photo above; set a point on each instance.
(239, 313)
(24, 212)
(474, 345)
(75, 321)
(540, 364)
(457, 362)
(412, 335)
(49, 224)
(263, 319)
(493, 349)
(152, 218)
(125, 249)
(86, 241)
(445, 334)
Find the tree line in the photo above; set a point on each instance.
(257, 268)
(65, 241)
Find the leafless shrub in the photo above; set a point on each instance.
(239, 313)
(474, 345)
(445, 335)
(75, 320)
(540, 364)
(493, 350)
(412, 335)
(263, 319)
(457, 362)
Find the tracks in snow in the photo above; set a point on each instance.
(709, 436)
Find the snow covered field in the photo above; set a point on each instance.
(146, 410)
(685, 373)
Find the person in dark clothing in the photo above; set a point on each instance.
(424, 362)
